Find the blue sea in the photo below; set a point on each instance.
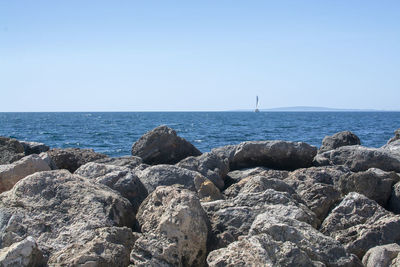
(113, 133)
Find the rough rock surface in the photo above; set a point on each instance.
(345, 138)
(72, 158)
(381, 256)
(174, 228)
(103, 247)
(10, 174)
(121, 179)
(373, 183)
(280, 155)
(163, 146)
(395, 137)
(359, 158)
(238, 175)
(210, 165)
(232, 218)
(24, 254)
(360, 224)
(394, 200)
(130, 162)
(34, 147)
(10, 150)
(169, 175)
(57, 208)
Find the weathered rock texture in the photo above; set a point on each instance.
(174, 228)
(359, 158)
(72, 158)
(210, 165)
(33, 147)
(345, 138)
(382, 256)
(10, 150)
(395, 137)
(23, 254)
(238, 175)
(57, 209)
(360, 224)
(281, 155)
(130, 162)
(163, 146)
(10, 174)
(121, 179)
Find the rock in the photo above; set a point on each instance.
(57, 208)
(281, 155)
(345, 138)
(373, 183)
(238, 175)
(208, 164)
(33, 147)
(394, 200)
(72, 158)
(232, 218)
(159, 175)
(10, 150)
(103, 247)
(174, 228)
(44, 156)
(359, 158)
(10, 174)
(360, 224)
(121, 179)
(395, 137)
(381, 256)
(23, 253)
(130, 162)
(393, 148)
(162, 146)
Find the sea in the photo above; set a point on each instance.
(113, 133)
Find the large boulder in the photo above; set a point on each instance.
(10, 150)
(121, 179)
(159, 175)
(34, 147)
(359, 158)
(208, 164)
(232, 218)
(373, 183)
(280, 155)
(238, 175)
(24, 254)
(57, 209)
(345, 138)
(102, 247)
(163, 146)
(130, 162)
(360, 223)
(174, 228)
(72, 158)
(382, 256)
(10, 174)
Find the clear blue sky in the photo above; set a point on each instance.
(198, 55)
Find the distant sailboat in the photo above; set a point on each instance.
(256, 104)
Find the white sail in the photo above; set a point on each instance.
(256, 110)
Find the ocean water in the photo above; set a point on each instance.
(113, 133)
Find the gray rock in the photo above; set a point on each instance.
(10, 150)
(102, 247)
(121, 179)
(395, 137)
(10, 174)
(393, 148)
(232, 218)
(33, 147)
(163, 146)
(57, 208)
(24, 253)
(373, 183)
(174, 228)
(130, 162)
(359, 158)
(381, 256)
(280, 155)
(360, 224)
(238, 175)
(208, 164)
(72, 158)
(394, 200)
(159, 175)
(44, 156)
(345, 138)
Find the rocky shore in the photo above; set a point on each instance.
(257, 203)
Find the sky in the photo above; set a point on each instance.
(198, 55)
